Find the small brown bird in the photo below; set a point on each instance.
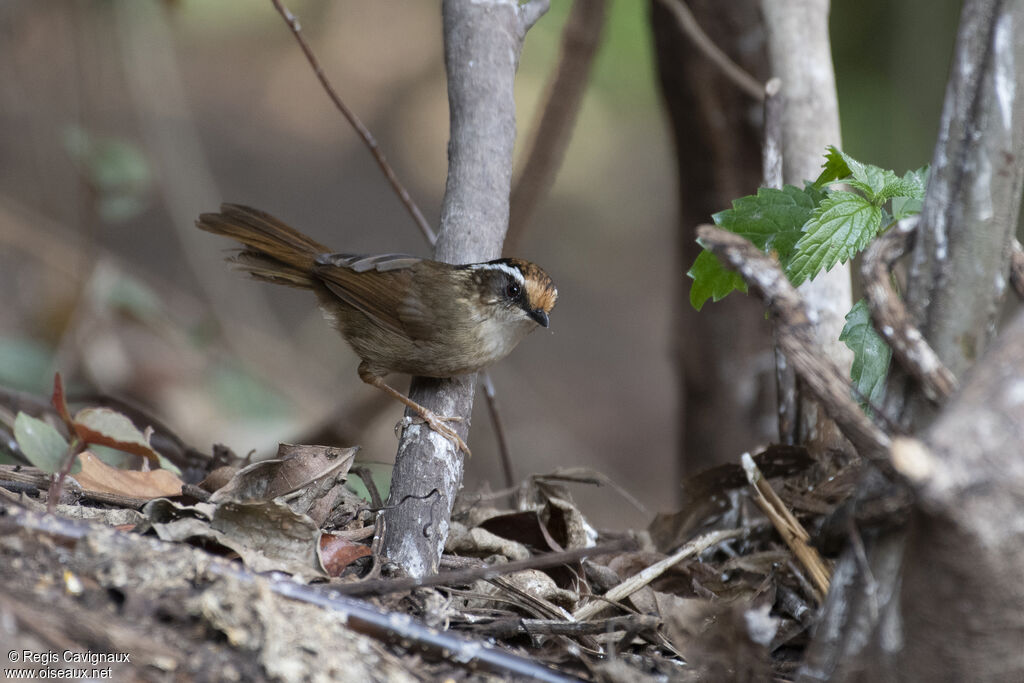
(398, 313)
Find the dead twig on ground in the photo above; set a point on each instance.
(645, 577)
(788, 526)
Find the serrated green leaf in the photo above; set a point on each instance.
(712, 280)
(841, 226)
(771, 220)
(880, 184)
(43, 445)
(871, 180)
(834, 168)
(871, 355)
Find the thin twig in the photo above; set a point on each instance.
(511, 626)
(787, 403)
(499, 429)
(552, 132)
(357, 124)
(891, 318)
(788, 526)
(733, 71)
(646, 576)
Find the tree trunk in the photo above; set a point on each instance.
(942, 600)
(723, 352)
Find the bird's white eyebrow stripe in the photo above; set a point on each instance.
(505, 268)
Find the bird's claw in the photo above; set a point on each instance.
(437, 423)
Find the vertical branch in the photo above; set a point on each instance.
(483, 39)
(550, 138)
(958, 270)
(786, 403)
(801, 55)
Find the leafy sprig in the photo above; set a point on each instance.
(810, 230)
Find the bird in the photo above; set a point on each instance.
(399, 313)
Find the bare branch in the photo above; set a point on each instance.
(356, 123)
(551, 134)
(890, 316)
(730, 69)
(801, 56)
(786, 397)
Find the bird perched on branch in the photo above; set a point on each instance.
(399, 313)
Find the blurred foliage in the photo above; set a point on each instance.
(624, 70)
(24, 364)
(244, 395)
(114, 169)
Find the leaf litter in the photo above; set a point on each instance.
(708, 592)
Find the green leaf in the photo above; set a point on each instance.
(712, 280)
(871, 355)
(43, 445)
(114, 168)
(834, 168)
(871, 180)
(380, 473)
(841, 226)
(771, 220)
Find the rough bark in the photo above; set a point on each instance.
(958, 270)
(482, 39)
(800, 55)
(953, 577)
(716, 132)
(962, 597)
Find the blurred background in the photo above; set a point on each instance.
(122, 120)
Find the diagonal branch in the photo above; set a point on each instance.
(356, 123)
(821, 375)
(892, 319)
(580, 40)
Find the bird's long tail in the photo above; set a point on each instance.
(273, 251)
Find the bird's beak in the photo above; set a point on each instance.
(540, 316)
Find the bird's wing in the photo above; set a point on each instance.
(382, 287)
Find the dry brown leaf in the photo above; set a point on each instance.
(96, 475)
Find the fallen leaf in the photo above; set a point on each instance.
(336, 553)
(96, 475)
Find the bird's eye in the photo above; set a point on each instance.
(512, 290)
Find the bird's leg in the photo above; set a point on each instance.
(434, 421)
